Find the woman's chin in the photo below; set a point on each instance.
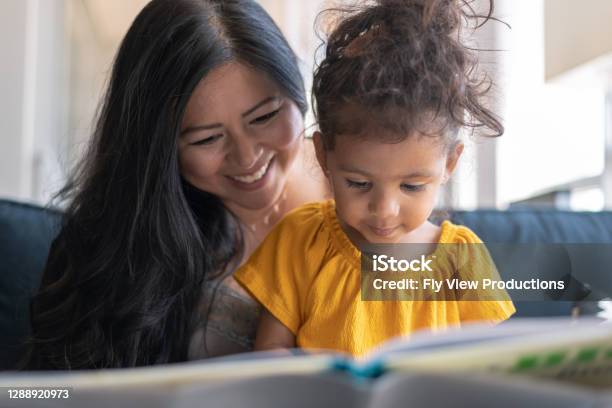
(262, 198)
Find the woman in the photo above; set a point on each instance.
(198, 151)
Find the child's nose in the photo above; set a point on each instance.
(384, 206)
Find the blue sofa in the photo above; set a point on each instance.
(545, 226)
(26, 233)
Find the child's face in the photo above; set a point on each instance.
(385, 191)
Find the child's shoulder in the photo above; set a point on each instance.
(457, 234)
(309, 212)
(305, 218)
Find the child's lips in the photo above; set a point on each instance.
(383, 231)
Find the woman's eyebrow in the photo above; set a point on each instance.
(260, 104)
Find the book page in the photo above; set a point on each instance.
(174, 375)
(578, 352)
(442, 390)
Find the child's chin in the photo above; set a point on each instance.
(375, 239)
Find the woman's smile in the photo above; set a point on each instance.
(256, 179)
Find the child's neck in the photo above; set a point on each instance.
(427, 233)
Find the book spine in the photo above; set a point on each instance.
(369, 370)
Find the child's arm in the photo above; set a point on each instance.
(272, 334)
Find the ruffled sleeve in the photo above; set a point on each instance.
(475, 264)
(280, 272)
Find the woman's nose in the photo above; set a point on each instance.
(384, 206)
(245, 153)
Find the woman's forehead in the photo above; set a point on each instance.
(234, 83)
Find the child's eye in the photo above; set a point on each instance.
(207, 141)
(361, 185)
(413, 187)
(264, 118)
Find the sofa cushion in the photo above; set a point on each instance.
(538, 226)
(541, 226)
(26, 233)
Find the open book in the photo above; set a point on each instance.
(578, 352)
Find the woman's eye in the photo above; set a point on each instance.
(361, 185)
(207, 140)
(264, 118)
(413, 187)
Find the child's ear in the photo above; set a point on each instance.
(320, 151)
(452, 159)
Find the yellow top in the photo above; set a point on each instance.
(307, 273)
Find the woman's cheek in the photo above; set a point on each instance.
(287, 132)
(279, 136)
(200, 165)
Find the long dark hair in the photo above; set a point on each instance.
(124, 275)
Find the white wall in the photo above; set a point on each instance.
(51, 100)
(15, 160)
(576, 32)
(32, 106)
(554, 130)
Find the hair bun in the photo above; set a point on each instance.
(440, 16)
(402, 62)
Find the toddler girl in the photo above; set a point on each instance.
(394, 89)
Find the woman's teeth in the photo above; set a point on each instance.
(251, 178)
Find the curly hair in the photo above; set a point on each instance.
(395, 67)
